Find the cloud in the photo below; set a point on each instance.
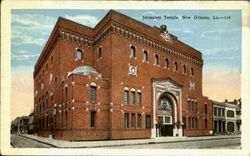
(219, 50)
(184, 30)
(90, 21)
(29, 28)
(32, 19)
(214, 33)
(29, 40)
(223, 58)
(149, 13)
(23, 56)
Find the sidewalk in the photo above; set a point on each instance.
(112, 143)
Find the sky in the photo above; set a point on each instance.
(219, 41)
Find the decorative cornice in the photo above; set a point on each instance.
(121, 30)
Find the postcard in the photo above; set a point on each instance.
(124, 77)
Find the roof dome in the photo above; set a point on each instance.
(82, 70)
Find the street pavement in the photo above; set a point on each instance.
(25, 140)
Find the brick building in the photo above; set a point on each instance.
(122, 79)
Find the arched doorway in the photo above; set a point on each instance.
(165, 115)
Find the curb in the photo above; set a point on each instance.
(129, 144)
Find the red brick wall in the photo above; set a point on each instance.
(114, 67)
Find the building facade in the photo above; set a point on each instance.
(122, 79)
(227, 117)
(20, 125)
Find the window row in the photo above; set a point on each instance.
(43, 123)
(134, 121)
(129, 97)
(156, 61)
(192, 106)
(42, 103)
(46, 69)
(192, 123)
(219, 111)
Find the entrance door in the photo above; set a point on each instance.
(167, 130)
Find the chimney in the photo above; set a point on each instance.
(225, 100)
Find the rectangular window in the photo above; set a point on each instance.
(92, 119)
(126, 120)
(192, 105)
(39, 107)
(166, 63)
(138, 98)
(167, 119)
(92, 94)
(125, 98)
(184, 121)
(132, 51)
(189, 122)
(156, 59)
(100, 52)
(219, 111)
(175, 66)
(206, 109)
(79, 54)
(51, 59)
(188, 105)
(223, 112)
(192, 123)
(215, 111)
(138, 120)
(42, 103)
(66, 117)
(46, 101)
(132, 98)
(196, 123)
(206, 123)
(195, 107)
(132, 120)
(47, 122)
(148, 121)
(145, 56)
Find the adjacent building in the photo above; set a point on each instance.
(227, 117)
(122, 79)
(20, 125)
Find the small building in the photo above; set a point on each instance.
(31, 123)
(20, 125)
(226, 115)
(24, 125)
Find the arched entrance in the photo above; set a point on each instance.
(165, 115)
(167, 96)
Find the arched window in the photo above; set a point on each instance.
(42, 103)
(132, 51)
(230, 113)
(145, 56)
(175, 66)
(166, 63)
(184, 69)
(191, 71)
(125, 96)
(66, 94)
(156, 59)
